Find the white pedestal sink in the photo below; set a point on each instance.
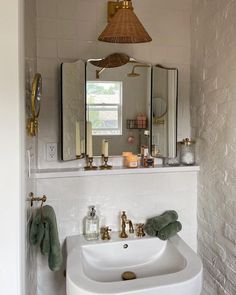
(161, 267)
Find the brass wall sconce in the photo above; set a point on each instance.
(124, 26)
(32, 122)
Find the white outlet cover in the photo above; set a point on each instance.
(51, 152)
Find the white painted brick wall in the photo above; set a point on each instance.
(213, 121)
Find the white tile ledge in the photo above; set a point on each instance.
(75, 172)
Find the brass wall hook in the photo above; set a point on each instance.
(33, 199)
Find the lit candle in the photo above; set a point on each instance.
(77, 139)
(82, 146)
(89, 140)
(106, 148)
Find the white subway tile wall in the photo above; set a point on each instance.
(67, 30)
(213, 109)
(142, 196)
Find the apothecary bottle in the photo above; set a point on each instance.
(92, 225)
(187, 153)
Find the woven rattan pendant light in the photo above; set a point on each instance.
(125, 27)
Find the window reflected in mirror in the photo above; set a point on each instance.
(104, 107)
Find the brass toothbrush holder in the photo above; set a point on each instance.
(105, 165)
(90, 165)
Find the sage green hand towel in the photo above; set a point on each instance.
(169, 231)
(36, 232)
(155, 224)
(45, 244)
(43, 232)
(150, 230)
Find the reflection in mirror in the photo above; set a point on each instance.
(164, 111)
(73, 110)
(116, 100)
(123, 106)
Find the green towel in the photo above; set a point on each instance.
(44, 232)
(169, 231)
(45, 244)
(157, 223)
(150, 230)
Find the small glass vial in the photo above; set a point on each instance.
(187, 154)
(91, 225)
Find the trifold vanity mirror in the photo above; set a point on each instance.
(128, 103)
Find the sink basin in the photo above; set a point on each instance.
(161, 267)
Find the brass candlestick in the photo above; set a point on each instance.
(90, 165)
(78, 157)
(105, 163)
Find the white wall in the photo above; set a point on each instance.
(213, 109)
(11, 148)
(30, 142)
(141, 195)
(68, 30)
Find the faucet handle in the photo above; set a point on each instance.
(140, 230)
(105, 233)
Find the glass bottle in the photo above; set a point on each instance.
(187, 155)
(92, 225)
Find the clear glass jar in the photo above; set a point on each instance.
(187, 153)
(174, 161)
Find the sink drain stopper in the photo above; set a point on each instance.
(128, 275)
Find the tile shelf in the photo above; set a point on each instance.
(79, 172)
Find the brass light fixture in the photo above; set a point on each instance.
(124, 26)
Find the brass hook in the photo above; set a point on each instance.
(43, 199)
(33, 199)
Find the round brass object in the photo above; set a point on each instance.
(128, 275)
(32, 123)
(36, 95)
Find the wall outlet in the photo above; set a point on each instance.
(51, 151)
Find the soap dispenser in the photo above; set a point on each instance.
(92, 225)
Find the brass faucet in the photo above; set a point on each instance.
(125, 221)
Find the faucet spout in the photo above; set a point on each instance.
(131, 227)
(124, 221)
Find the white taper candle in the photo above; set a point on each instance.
(82, 146)
(103, 146)
(89, 140)
(77, 139)
(106, 148)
